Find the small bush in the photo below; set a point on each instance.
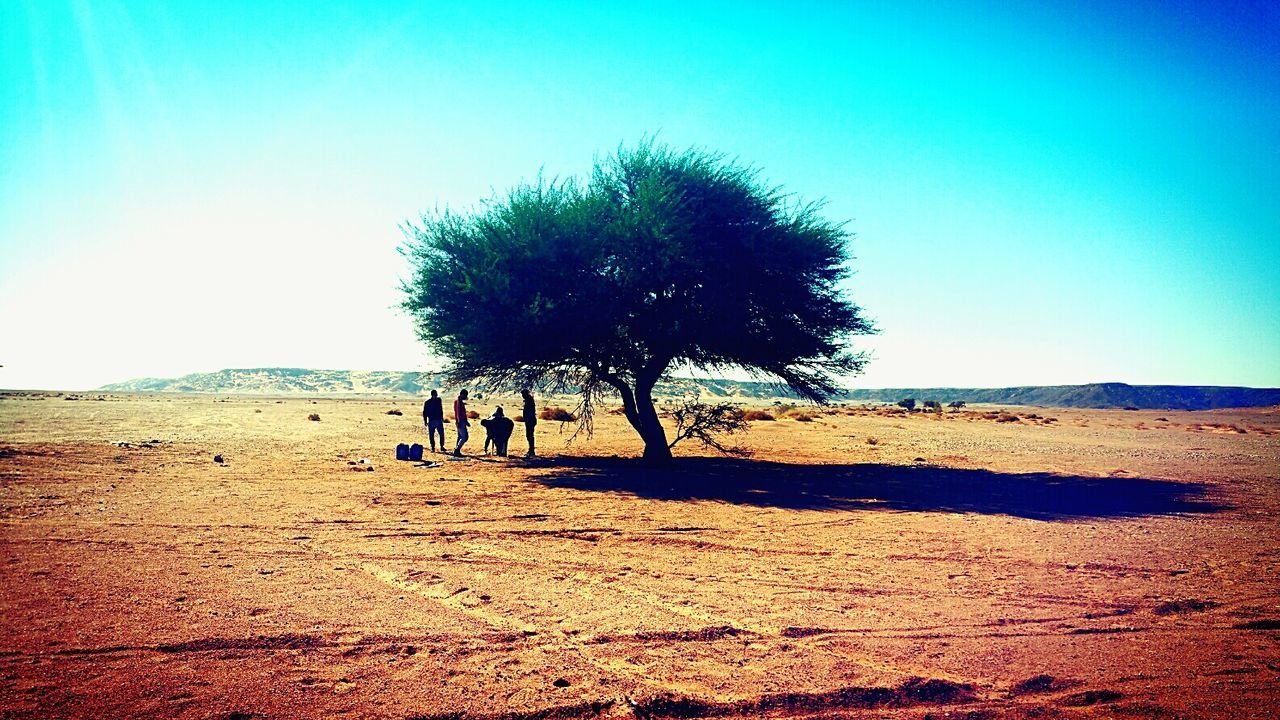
(1006, 417)
(757, 415)
(795, 413)
(314, 417)
(556, 412)
(394, 412)
(703, 422)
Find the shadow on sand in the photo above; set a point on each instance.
(1039, 496)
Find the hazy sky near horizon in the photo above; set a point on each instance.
(1054, 194)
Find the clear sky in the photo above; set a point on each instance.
(1045, 195)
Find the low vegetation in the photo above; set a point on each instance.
(703, 422)
(557, 413)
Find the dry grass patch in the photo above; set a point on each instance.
(555, 412)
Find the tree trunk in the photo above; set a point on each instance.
(656, 449)
(640, 412)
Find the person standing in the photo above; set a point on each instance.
(460, 417)
(530, 413)
(433, 418)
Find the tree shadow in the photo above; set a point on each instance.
(869, 486)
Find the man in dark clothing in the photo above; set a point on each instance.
(530, 413)
(460, 420)
(433, 418)
(498, 431)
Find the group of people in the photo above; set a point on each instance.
(497, 427)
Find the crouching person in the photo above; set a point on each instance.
(498, 428)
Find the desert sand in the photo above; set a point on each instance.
(1100, 564)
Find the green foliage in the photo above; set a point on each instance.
(660, 259)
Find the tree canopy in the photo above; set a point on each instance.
(661, 259)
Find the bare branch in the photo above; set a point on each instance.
(702, 422)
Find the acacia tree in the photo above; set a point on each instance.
(660, 260)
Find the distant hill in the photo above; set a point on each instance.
(287, 381)
(292, 381)
(1093, 395)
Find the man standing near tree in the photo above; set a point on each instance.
(530, 413)
(460, 417)
(433, 418)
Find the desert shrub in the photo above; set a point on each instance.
(314, 417)
(757, 416)
(703, 422)
(473, 415)
(394, 412)
(990, 415)
(794, 412)
(556, 412)
(1031, 416)
(907, 404)
(1006, 417)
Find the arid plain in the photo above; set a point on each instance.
(1104, 563)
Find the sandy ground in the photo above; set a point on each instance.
(1105, 564)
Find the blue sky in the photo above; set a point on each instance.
(1052, 194)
